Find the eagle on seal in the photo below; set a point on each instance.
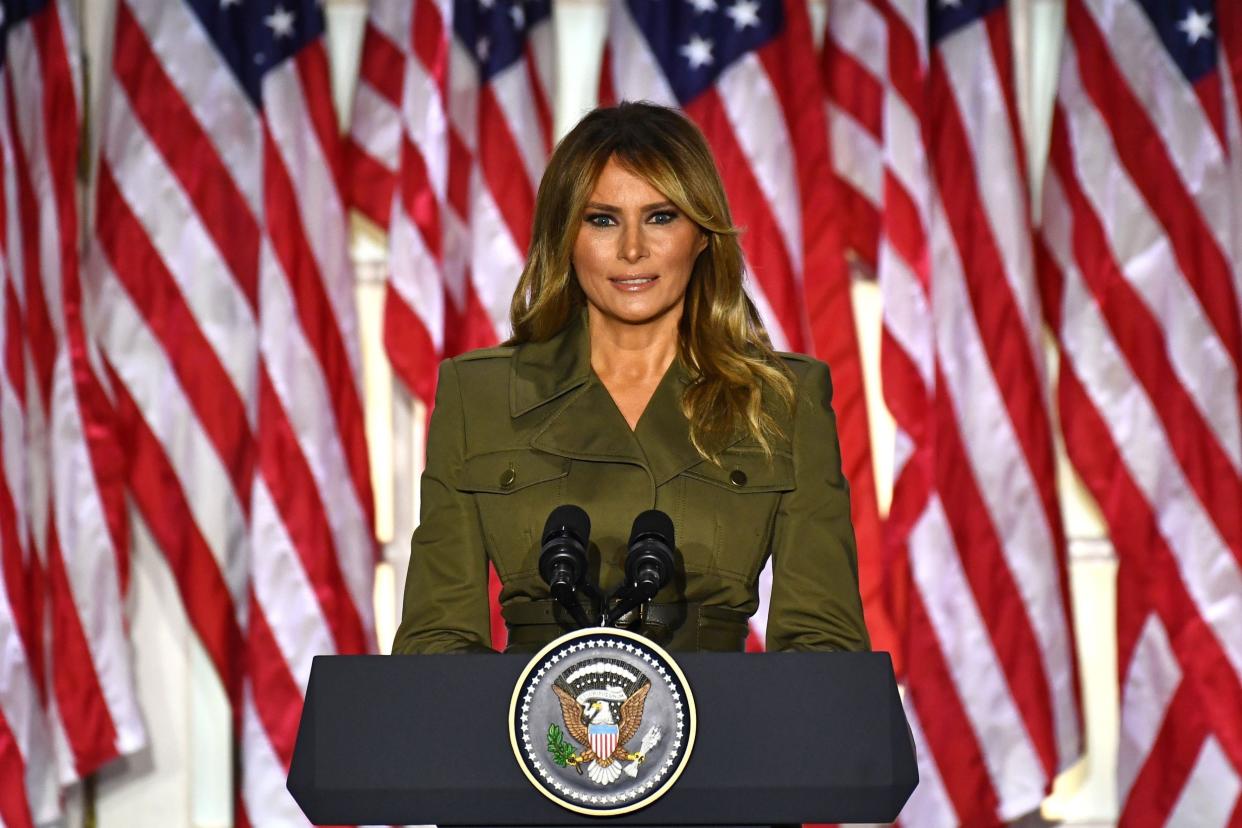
(589, 719)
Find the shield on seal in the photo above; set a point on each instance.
(603, 739)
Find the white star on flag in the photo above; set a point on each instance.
(1196, 26)
(280, 22)
(224, 4)
(484, 47)
(519, 16)
(698, 51)
(950, 4)
(744, 13)
(701, 6)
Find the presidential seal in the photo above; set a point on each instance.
(602, 721)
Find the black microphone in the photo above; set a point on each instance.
(562, 556)
(649, 564)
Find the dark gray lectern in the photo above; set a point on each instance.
(782, 738)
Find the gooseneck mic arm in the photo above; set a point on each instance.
(649, 564)
(562, 557)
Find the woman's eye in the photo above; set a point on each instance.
(599, 219)
(663, 217)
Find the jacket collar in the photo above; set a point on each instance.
(543, 371)
(586, 424)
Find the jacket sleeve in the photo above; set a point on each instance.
(446, 600)
(815, 602)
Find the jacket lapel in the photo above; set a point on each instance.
(542, 371)
(584, 422)
(663, 431)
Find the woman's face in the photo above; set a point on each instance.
(635, 250)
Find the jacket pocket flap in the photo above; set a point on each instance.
(505, 472)
(747, 472)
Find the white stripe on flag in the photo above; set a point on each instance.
(754, 112)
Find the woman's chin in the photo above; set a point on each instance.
(639, 311)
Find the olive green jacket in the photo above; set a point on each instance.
(518, 431)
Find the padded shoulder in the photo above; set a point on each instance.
(484, 375)
(805, 368)
(797, 359)
(499, 352)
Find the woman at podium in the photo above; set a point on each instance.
(638, 376)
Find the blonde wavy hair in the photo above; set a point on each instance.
(722, 342)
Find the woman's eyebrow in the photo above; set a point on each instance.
(610, 208)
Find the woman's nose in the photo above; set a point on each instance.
(633, 243)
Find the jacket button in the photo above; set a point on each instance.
(507, 477)
(737, 477)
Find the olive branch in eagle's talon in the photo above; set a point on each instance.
(563, 753)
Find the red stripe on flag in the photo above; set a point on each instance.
(1230, 28)
(79, 697)
(103, 449)
(791, 66)
(23, 585)
(409, 347)
(860, 224)
(1135, 530)
(94, 409)
(1210, 93)
(997, 26)
(1141, 150)
(905, 62)
(903, 230)
(1159, 783)
(277, 697)
(607, 94)
(468, 326)
(382, 65)
(36, 323)
(14, 345)
(318, 321)
(904, 392)
(418, 199)
(543, 109)
(998, 316)
(1141, 339)
(950, 736)
(431, 41)
(460, 163)
(994, 590)
(304, 514)
(504, 169)
(311, 63)
(206, 384)
(500, 631)
(189, 152)
(853, 88)
(762, 238)
(14, 807)
(369, 184)
(158, 494)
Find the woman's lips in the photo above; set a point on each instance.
(633, 284)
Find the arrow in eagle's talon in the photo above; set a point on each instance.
(650, 739)
(631, 770)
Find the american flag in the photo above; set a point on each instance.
(67, 702)
(1142, 285)
(451, 130)
(746, 72)
(854, 64)
(979, 575)
(219, 264)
